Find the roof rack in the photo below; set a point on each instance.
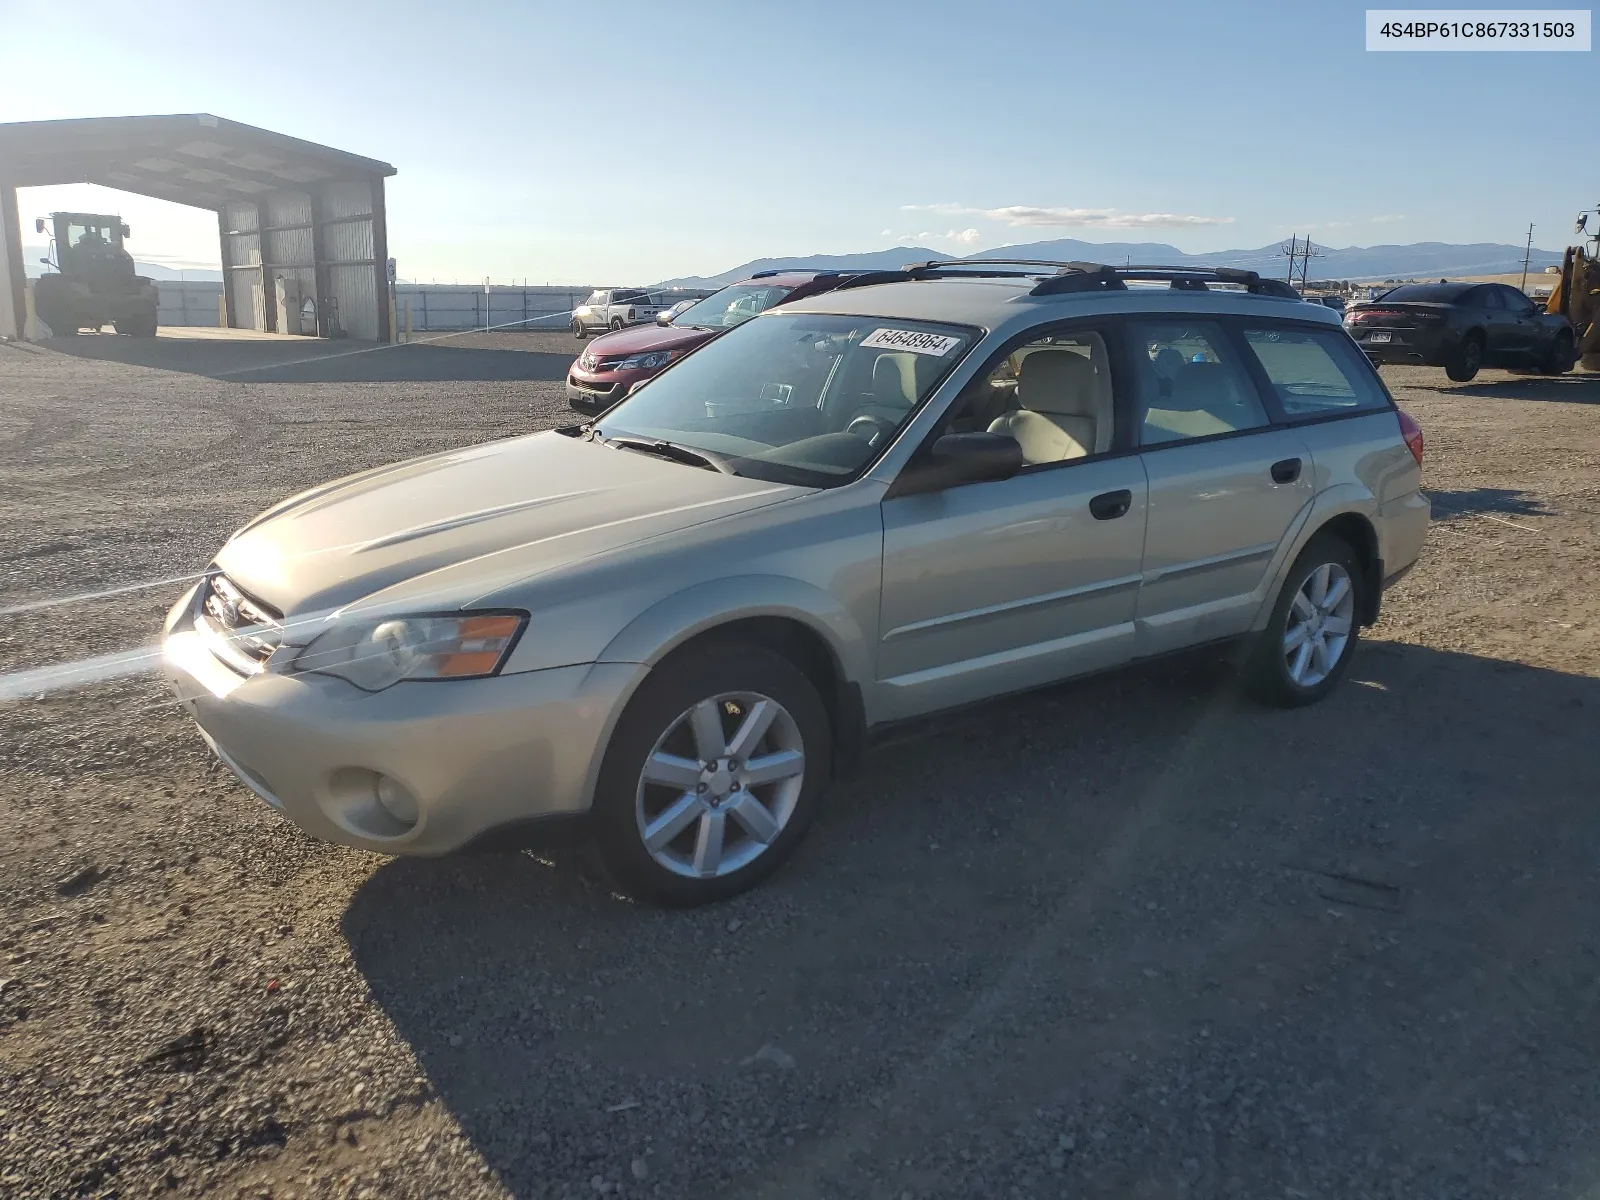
(1195, 279)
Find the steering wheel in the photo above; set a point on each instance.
(868, 428)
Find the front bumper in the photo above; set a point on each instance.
(592, 397)
(475, 754)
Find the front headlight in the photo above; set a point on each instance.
(645, 362)
(374, 655)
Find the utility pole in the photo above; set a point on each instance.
(1527, 252)
(1307, 253)
(1292, 249)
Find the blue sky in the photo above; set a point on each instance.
(632, 141)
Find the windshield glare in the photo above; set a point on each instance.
(732, 306)
(799, 398)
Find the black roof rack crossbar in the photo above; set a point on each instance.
(869, 278)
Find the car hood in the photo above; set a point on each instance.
(641, 339)
(441, 531)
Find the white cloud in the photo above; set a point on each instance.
(1027, 216)
(957, 237)
(1387, 219)
(887, 233)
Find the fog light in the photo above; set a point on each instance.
(397, 801)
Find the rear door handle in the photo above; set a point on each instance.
(1108, 506)
(1286, 470)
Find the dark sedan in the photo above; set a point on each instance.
(1461, 327)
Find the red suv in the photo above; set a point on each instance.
(614, 364)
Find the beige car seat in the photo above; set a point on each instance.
(1061, 411)
(894, 380)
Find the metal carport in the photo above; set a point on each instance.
(308, 214)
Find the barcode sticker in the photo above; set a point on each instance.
(910, 339)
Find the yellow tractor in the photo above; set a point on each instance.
(94, 282)
(1577, 294)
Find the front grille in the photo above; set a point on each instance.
(243, 632)
(597, 389)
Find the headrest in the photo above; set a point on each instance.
(1060, 382)
(894, 379)
(1199, 387)
(1167, 361)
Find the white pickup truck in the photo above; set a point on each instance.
(615, 308)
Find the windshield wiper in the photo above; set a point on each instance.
(673, 452)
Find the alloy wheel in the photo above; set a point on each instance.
(719, 786)
(1320, 621)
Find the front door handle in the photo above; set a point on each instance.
(1108, 506)
(1286, 470)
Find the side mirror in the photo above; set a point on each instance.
(46, 262)
(38, 225)
(958, 458)
(663, 319)
(126, 232)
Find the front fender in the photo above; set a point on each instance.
(673, 620)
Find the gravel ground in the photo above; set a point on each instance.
(1131, 937)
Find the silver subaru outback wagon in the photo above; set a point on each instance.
(679, 621)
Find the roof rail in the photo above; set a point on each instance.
(832, 273)
(869, 278)
(1066, 277)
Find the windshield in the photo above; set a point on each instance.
(801, 398)
(81, 235)
(1425, 292)
(732, 306)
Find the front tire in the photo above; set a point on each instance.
(1468, 360)
(1562, 358)
(1307, 645)
(578, 331)
(59, 321)
(139, 327)
(713, 775)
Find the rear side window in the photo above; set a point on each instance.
(1190, 382)
(1314, 372)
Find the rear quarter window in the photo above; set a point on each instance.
(1315, 372)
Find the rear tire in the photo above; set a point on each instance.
(616, 324)
(1562, 358)
(1468, 360)
(717, 831)
(578, 331)
(1307, 645)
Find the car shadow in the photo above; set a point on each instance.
(1575, 387)
(310, 360)
(1509, 502)
(1079, 920)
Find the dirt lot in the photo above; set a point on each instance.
(1132, 937)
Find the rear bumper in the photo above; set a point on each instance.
(1428, 347)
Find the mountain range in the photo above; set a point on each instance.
(1421, 260)
(32, 254)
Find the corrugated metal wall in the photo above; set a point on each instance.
(347, 247)
(187, 302)
(287, 246)
(242, 252)
(276, 238)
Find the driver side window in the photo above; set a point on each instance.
(1052, 394)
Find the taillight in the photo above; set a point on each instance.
(630, 314)
(1412, 432)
